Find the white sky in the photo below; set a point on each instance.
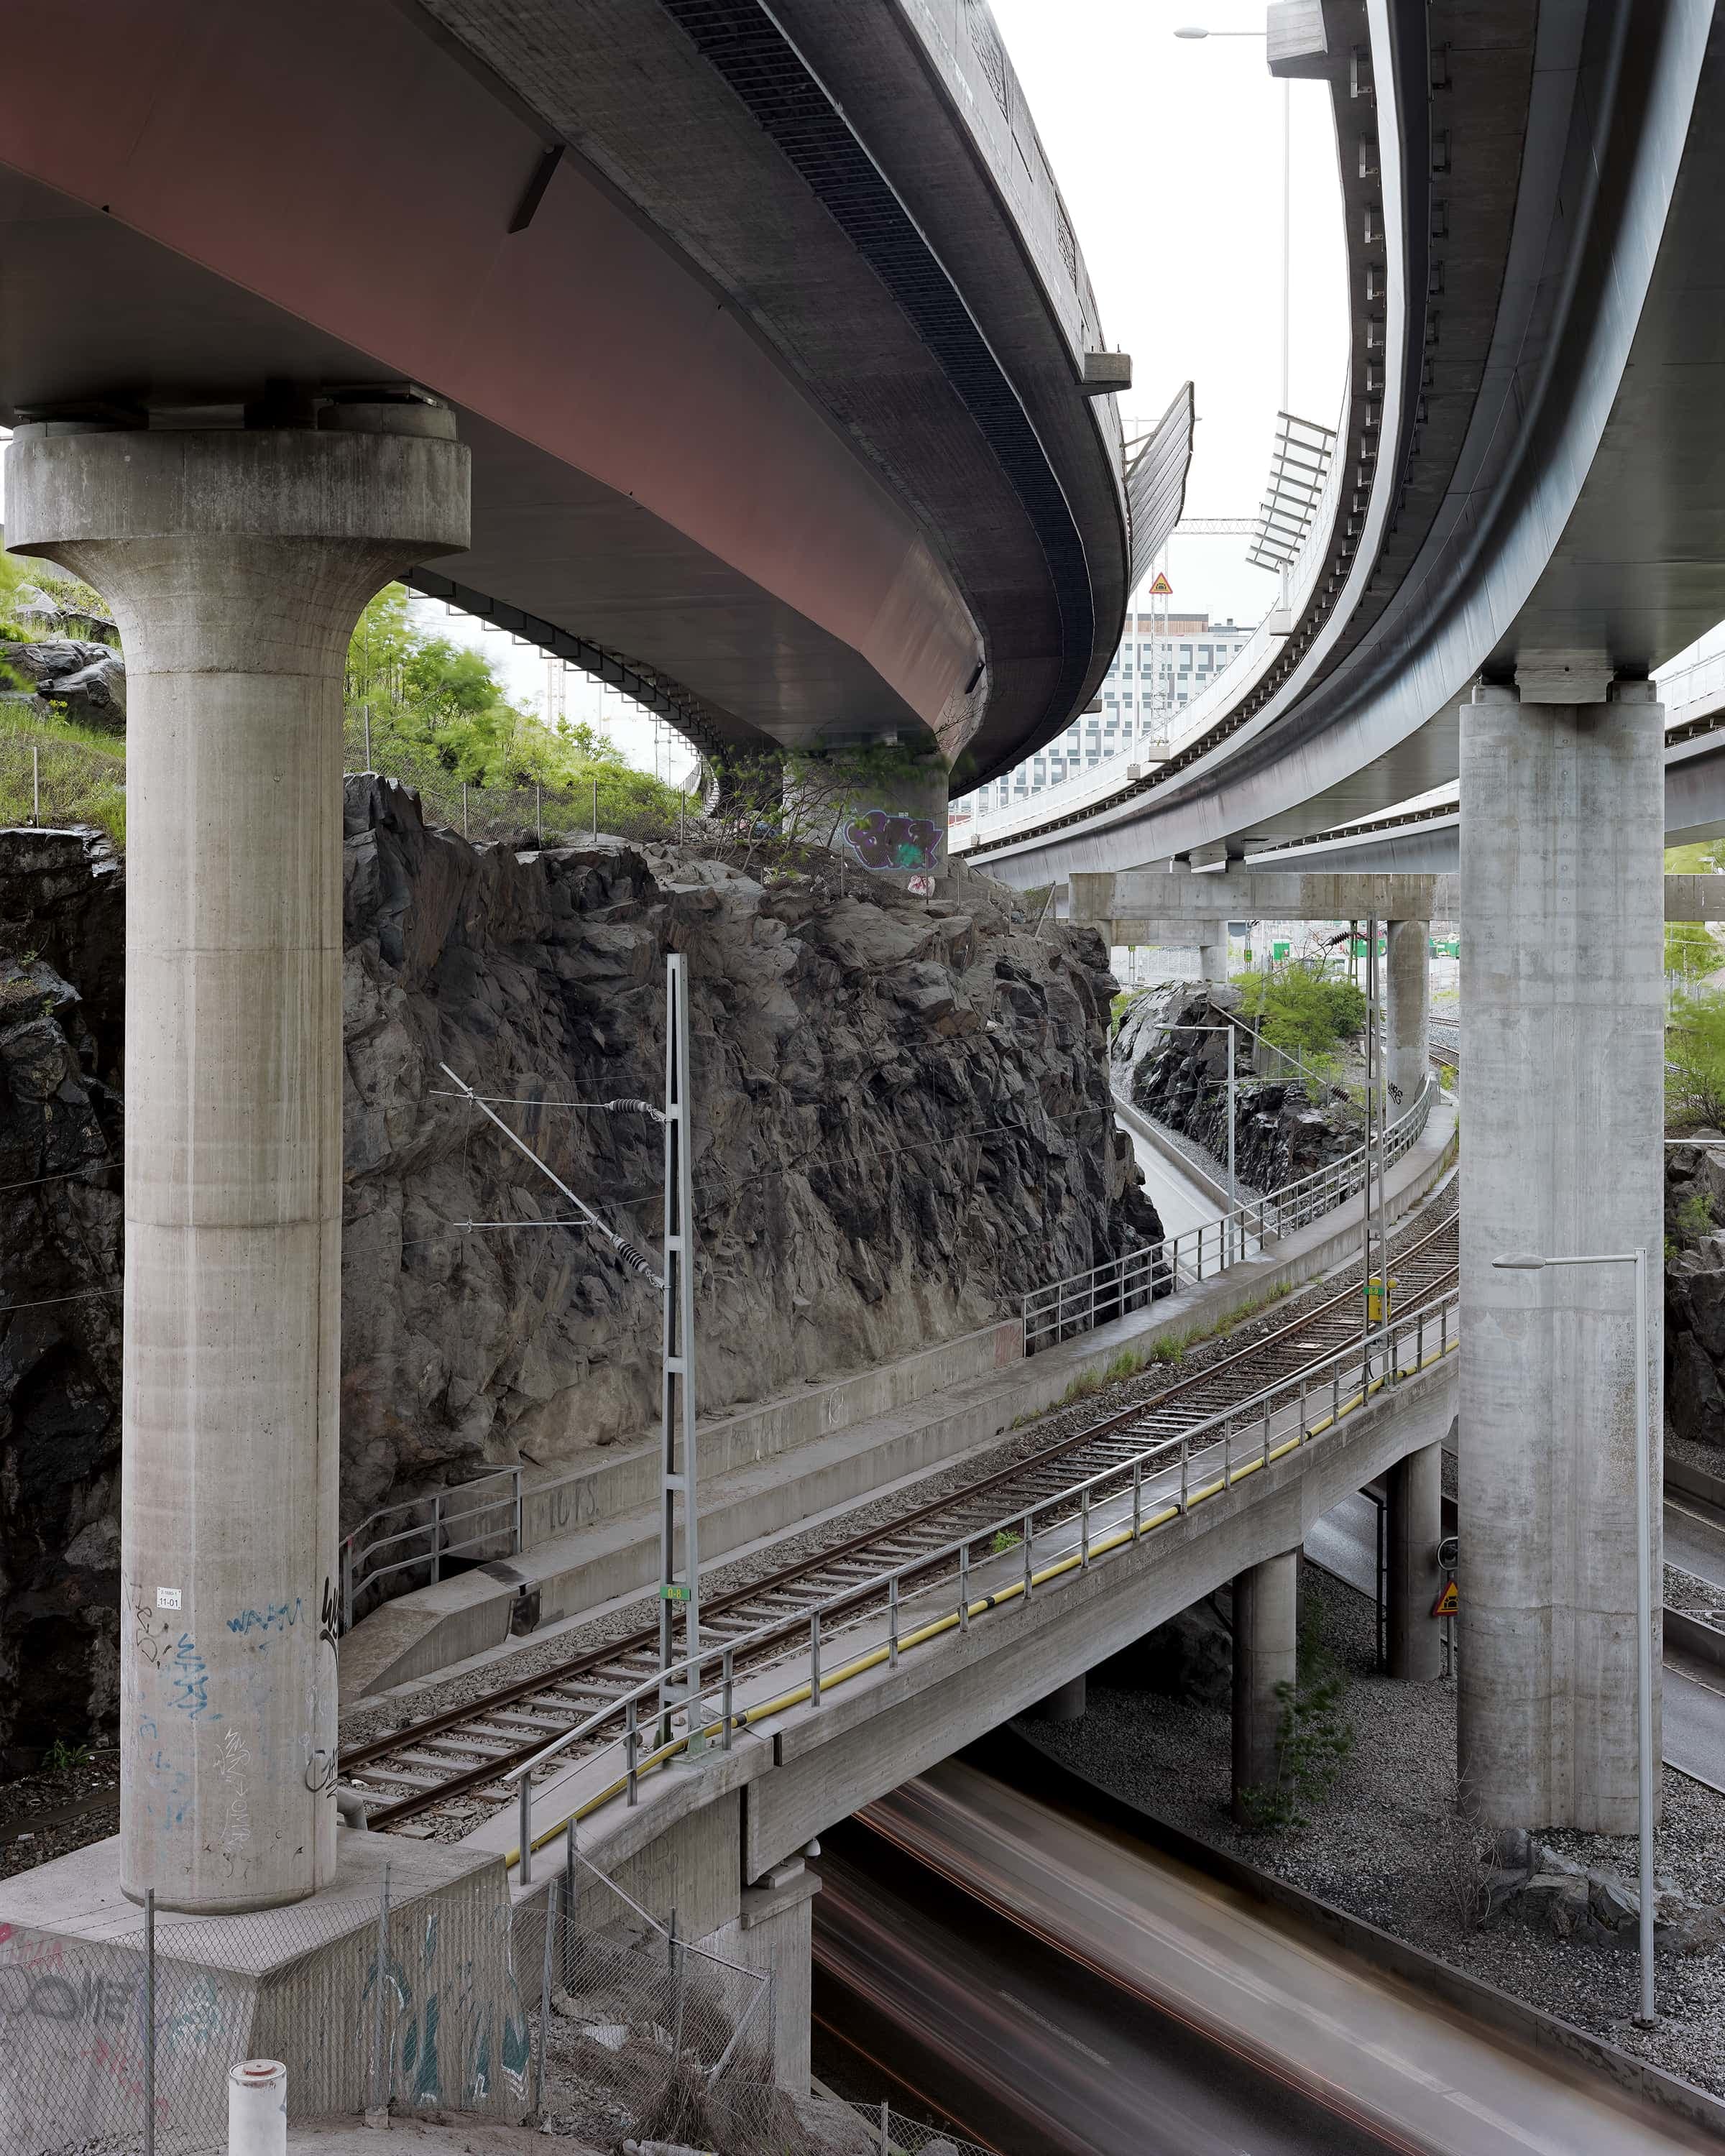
(1169, 156)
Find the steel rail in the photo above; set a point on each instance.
(1217, 1389)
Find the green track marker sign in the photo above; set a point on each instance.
(673, 1590)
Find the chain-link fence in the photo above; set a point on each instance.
(619, 801)
(889, 2132)
(370, 2000)
(646, 2036)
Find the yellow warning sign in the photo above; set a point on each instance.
(1162, 589)
(1448, 1603)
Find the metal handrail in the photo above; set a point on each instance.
(1083, 1301)
(1377, 1358)
(358, 1554)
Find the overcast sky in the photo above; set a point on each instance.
(1169, 156)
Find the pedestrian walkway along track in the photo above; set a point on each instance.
(466, 1752)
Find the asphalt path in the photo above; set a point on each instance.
(1231, 2029)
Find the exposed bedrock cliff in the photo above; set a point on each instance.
(902, 1116)
(1172, 1060)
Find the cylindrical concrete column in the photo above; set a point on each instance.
(236, 563)
(1064, 1704)
(1416, 1526)
(1407, 1009)
(1266, 1657)
(1213, 953)
(1563, 1043)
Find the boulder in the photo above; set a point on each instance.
(86, 681)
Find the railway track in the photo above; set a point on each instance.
(465, 1752)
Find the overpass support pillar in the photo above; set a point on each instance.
(1213, 953)
(1265, 1642)
(1562, 1043)
(1416, 1526)
(1407, 1011)
(1064, 1704)
(882, 807)
(236, 562)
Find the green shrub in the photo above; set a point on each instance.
(1695, 1059)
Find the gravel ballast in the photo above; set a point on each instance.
(1386, 1842)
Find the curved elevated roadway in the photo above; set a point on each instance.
(1519, 493)
(767, 327)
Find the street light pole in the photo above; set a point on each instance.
(1532, 1261)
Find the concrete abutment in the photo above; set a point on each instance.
(236, 561)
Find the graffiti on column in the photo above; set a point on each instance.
(885, 839)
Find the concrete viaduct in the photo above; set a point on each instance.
(1513, 539)
(744, 356)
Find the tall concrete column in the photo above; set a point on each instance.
(1416, 1527)
(1064, 1704)
(1563, 1042)
(236, 562)
(1265, 1656)
(1407, 1011)
(1213, 953)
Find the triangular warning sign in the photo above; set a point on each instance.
(1448, 1603)
(1162, 589)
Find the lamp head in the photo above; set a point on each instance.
(1519, 1261)
(1191, 30)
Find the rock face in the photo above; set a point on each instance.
(903, 1121)
(1181, 1079)
(86, 680)
(62, 922)
(1695, 1290)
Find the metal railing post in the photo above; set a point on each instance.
(964, 1589)
(437, 1537)
(380, 2040)
(631, 1746)
(892, 1622)
(550, 1922)
(814, 1658)
(1083, 1529)
(726, 1693)
(1137, 1491)
(1030, 1562)
(1185, 1472)
(149, 2021)
(519, 1543)
(1266, 1429)
(525, 1873)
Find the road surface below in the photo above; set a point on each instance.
(1391, 2068)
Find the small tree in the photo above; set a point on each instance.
(1312, 1739)
(1694, 1060)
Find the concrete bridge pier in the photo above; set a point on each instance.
(1416, 1526)
(1266, 1658)
(1064, 1704)
(1407, 1011)
(1563, 1044)
(236, 561)
(1213, 953)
